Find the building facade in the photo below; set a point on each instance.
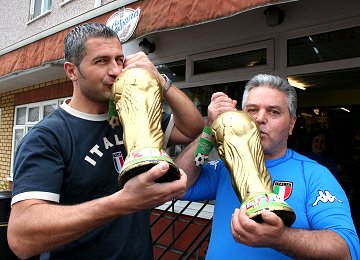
(204, 48)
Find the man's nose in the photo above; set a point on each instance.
(114, 68)
(260, 117)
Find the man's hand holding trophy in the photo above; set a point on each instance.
(137, 96)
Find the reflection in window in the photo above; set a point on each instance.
(330, 46)
(233, 61)
(34, 114)
(18, 135)
(38, 7)
(49, 109)
(20, 116)
(201, 96)
(174, 70)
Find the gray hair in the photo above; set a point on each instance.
(276, 83)
(74, 42)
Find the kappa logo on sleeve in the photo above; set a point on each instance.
(325, 196)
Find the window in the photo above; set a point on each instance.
(26, 116)
(39, 7)
(233, 61)
(174, 70)
(323, 47)
(201, 96)
(231, 64)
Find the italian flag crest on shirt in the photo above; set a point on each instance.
(283, 189)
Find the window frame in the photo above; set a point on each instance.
(45, 9)
(314, 67)
(230, 75)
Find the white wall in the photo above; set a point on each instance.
(14, 18)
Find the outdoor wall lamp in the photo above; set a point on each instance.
(147, 46)
(274, 15)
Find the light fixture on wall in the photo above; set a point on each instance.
(274, 15)
(147, 46)
(297, 84)
(345, 109)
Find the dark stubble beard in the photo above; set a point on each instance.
(95, 96)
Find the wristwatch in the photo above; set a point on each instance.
(167, 84)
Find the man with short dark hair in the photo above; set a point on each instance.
(66, 200)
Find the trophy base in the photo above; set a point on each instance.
(144, 160)
(256, 203)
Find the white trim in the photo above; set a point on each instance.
(85, 116)
(39, 17)
(32, 9)
(48, 196)
(97, 3)
(60, 27)
(324, 66)
(64, 3)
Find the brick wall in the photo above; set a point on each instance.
(6, 124)
(8, 100)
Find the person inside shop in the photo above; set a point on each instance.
(319, 151)
(66, 202)
(323, 228)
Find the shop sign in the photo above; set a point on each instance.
(124, 22)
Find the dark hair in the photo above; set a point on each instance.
(276, 83)
(74, 42)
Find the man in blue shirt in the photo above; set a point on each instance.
(323, 228)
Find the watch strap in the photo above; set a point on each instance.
(167, 84)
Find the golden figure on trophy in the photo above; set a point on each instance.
(236, 136)
(137, 97)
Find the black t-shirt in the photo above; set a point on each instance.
(70, 158)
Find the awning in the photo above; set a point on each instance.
(156, 15)
(160, 15)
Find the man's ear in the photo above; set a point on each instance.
(71, 71)
(292, 124)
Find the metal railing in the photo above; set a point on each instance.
(177, 235)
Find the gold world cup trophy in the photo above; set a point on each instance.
(137, 96)
(237, 139)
